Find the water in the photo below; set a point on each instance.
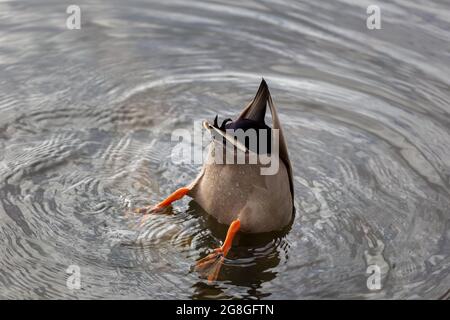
(86, 118)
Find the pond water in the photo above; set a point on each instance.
(86, 118)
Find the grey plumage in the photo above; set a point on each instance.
(230, 191)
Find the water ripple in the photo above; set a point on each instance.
(85, 135)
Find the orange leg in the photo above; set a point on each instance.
(213, 262)
(177, 195)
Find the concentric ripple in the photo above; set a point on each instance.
(86, 119)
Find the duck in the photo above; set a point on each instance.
(240, 194)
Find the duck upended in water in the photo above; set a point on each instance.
(238, 194)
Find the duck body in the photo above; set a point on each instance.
(231, 191)
(241, 194)
(262, 203)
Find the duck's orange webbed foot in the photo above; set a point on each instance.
(160, 207)
(211, 264)
(177, 195)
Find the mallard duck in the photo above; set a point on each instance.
(239, 195)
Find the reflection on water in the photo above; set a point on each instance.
(86, 118)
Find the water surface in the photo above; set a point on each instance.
(86, 118)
